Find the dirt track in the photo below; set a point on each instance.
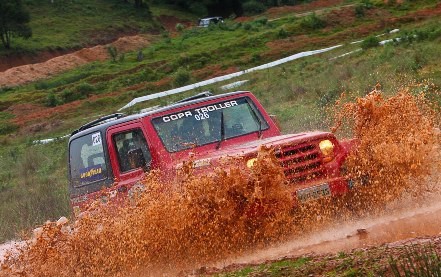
(398, 226)
(395, 228)
(32, 72)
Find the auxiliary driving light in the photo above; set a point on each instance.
(327, 148)
(251, 162)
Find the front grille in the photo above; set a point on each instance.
(301, 162)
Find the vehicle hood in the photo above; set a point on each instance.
(252, 146)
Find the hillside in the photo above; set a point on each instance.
(155, 55)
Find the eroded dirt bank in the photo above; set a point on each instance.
(32, 72)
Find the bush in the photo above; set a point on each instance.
(312, 22)
(182, 77)
(367, 4)
(282, 34)
(68, 95)
(370, 42)
(247, 26)
(113, 53)
(253, 7)
(179, 27)
(51, 100)
(262, 21)
(359, 10)
(81, 91)
(7, 128)
(84, 89)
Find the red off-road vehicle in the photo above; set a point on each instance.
(116, 151)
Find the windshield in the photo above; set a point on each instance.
(202, 125)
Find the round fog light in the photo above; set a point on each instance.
(327, 148)
(251, 162)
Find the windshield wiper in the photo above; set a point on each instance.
(222, 130)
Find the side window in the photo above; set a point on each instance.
(87, 162)
(132, 150)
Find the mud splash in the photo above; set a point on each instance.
(398, 148)
(199, 221)
(181, 226)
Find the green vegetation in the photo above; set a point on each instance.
(312, 22)
(32, 185)
(370, 42)
(14, 22)
(73, 24)
(279, 268)
(407, 260)
(417, 260)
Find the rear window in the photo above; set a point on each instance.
(87, 160)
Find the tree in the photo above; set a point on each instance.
(14, 19)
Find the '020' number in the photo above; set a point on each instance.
(201, 116)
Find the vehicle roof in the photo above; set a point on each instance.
(105, 125)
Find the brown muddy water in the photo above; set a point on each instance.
(212, 220)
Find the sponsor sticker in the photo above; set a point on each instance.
(200, 113)
(96, 139)
(91, 174)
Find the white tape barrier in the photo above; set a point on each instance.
(345, 54)
(383, 42)
(390, 32)
(46, 141)
(234, 85)
(226, 77)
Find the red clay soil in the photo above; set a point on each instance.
(343, 17)
(169, 22)
(147, 85)
(95, 38)
(213, 71)
(32, 72)
(314, 5)
(279, 11)
(32, 117)
(15, 60)
(28, 113)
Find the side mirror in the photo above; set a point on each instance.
(136, 159)
(276, 121)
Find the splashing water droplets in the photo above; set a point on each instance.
(204, 219)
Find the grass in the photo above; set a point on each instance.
(73, 24)
(399, 261)
(278, 268)
(32, 185)
(416, 260)
(297, 92)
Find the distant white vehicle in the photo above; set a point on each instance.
(206, 21)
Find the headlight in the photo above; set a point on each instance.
(251, 162)
(327, 148)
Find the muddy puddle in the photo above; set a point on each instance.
(236, 213)
(398, 226)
